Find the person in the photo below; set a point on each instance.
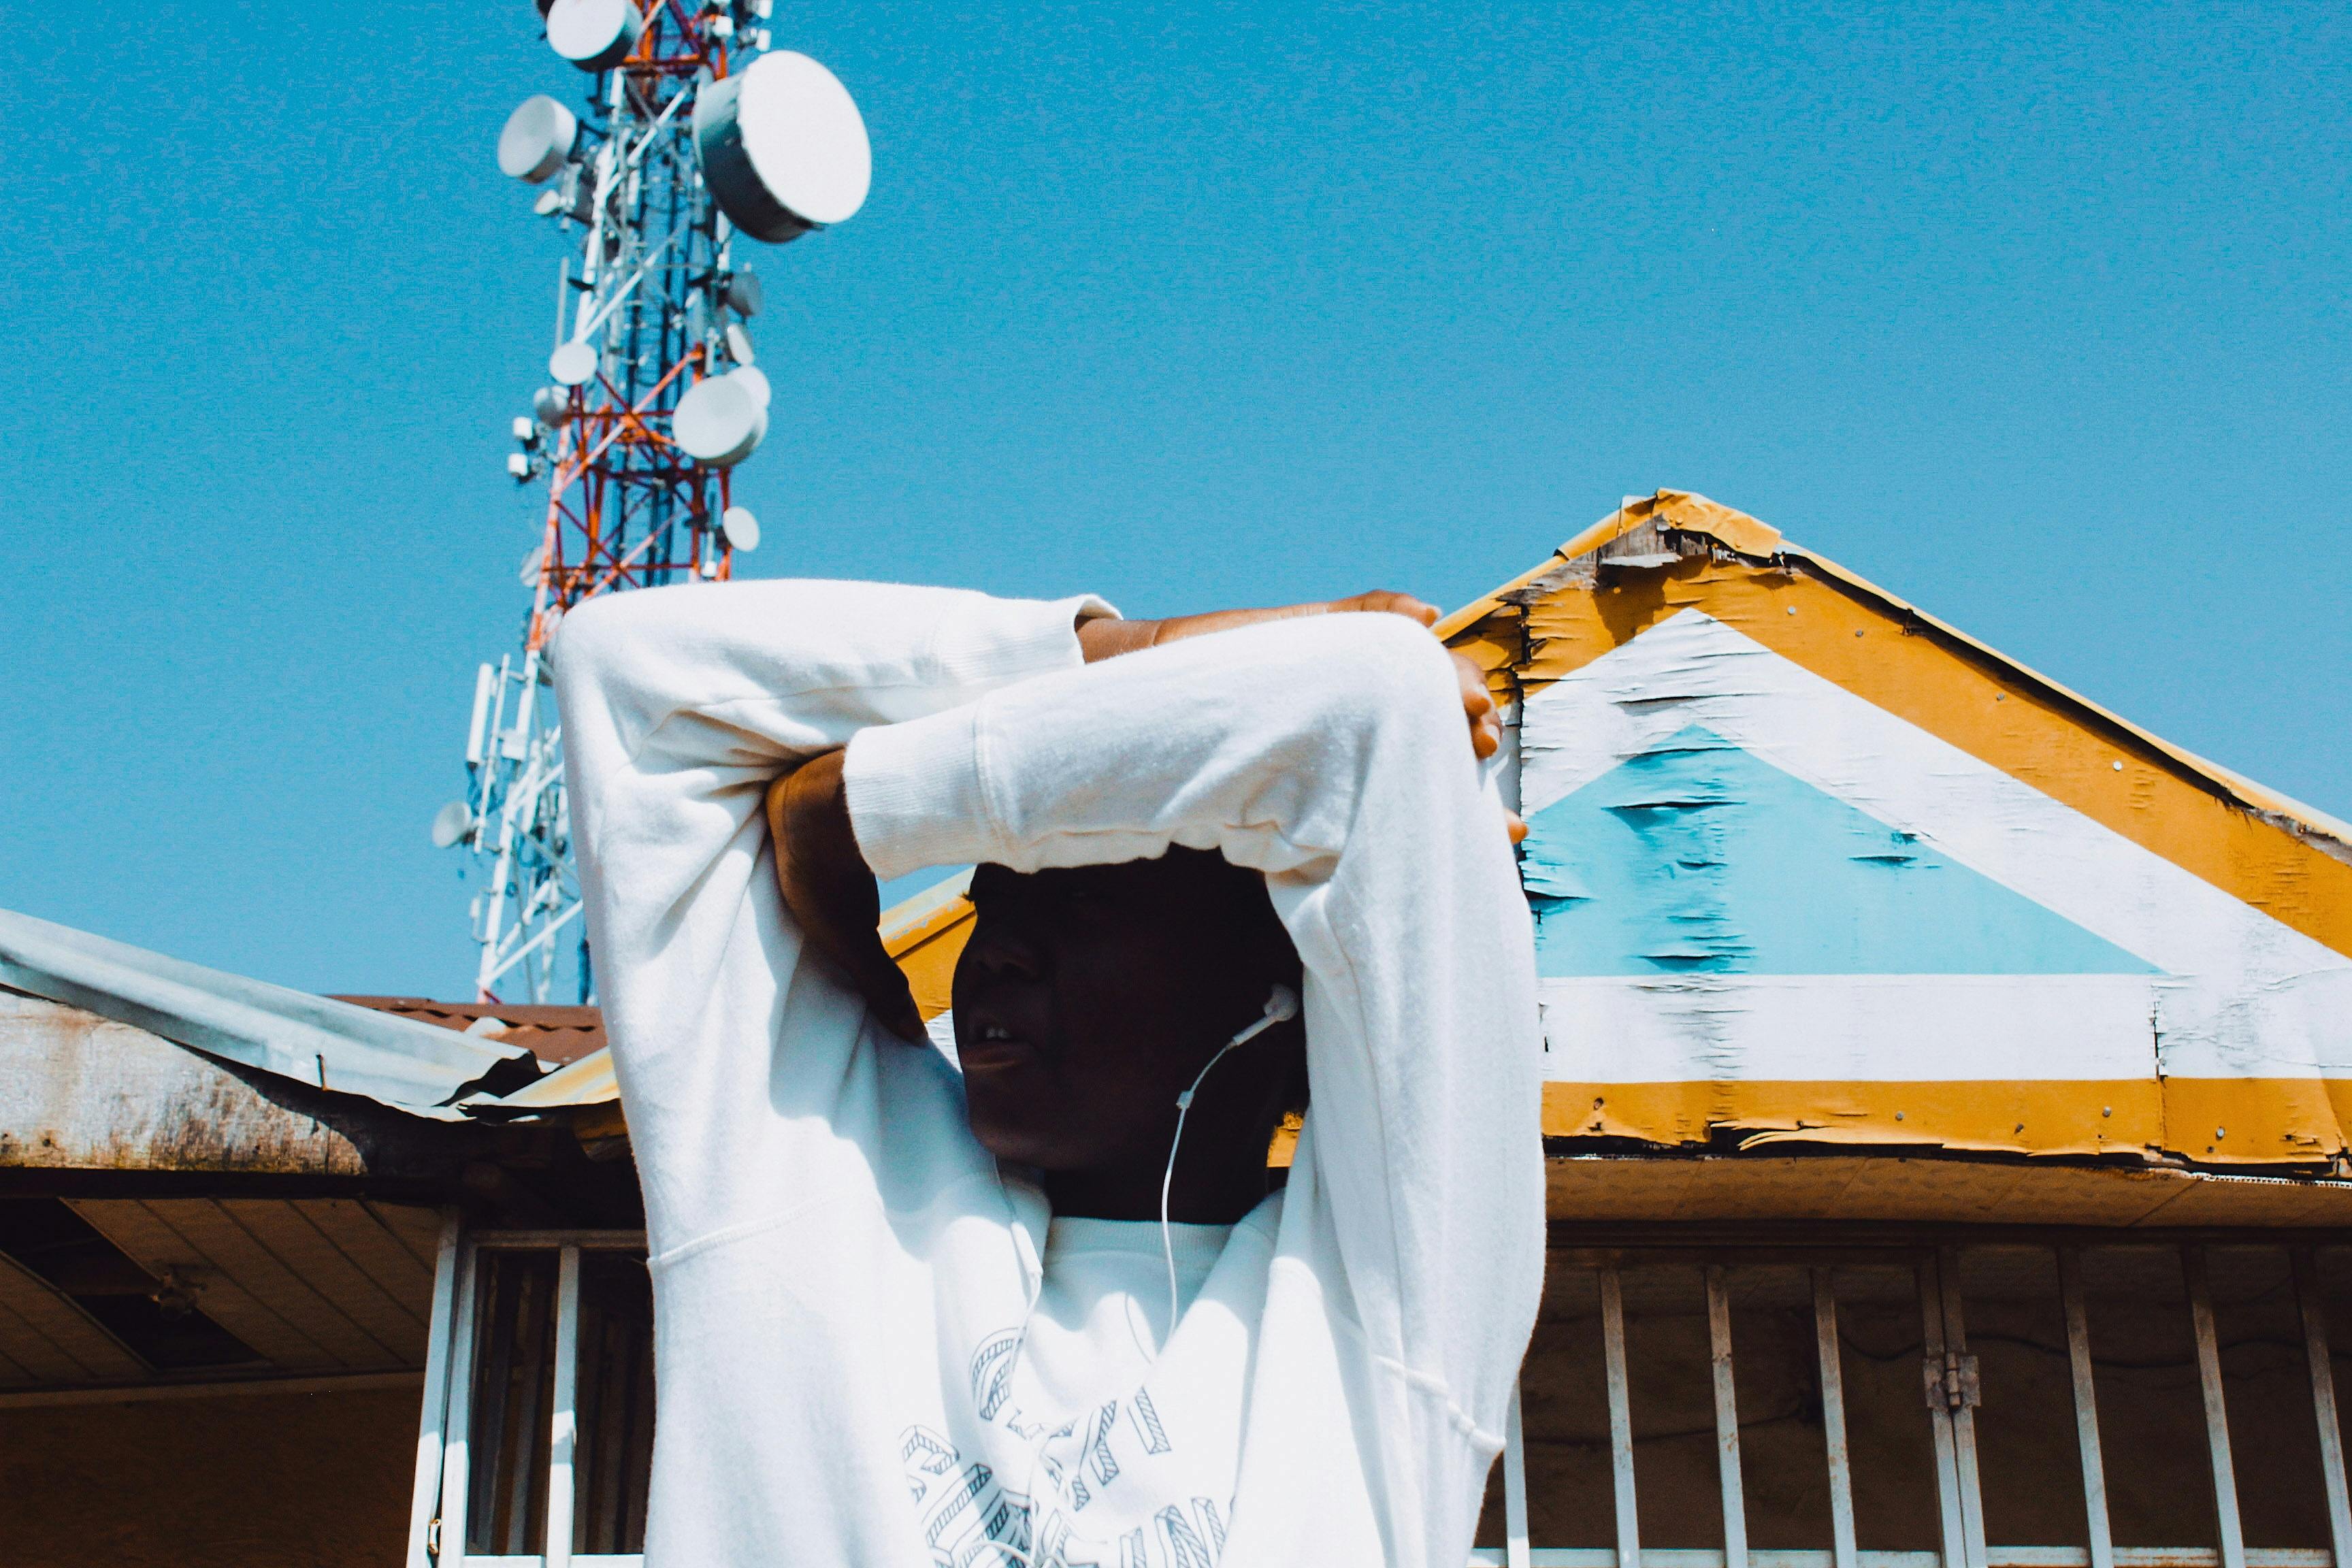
(910, 1304)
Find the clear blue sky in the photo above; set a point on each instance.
(2034, 314)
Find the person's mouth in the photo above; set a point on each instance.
(992, 1048)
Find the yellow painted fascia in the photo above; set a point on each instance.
(2253, 795)
(2267, 1121)
(926, 935)
(1592, 1196)
(1689, 513)
(1680, 509)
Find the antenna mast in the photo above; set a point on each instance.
(690, 140)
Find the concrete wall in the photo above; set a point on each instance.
(277, 1481)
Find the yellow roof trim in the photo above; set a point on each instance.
(1684, 510)
(906, 925)
(1688, 513)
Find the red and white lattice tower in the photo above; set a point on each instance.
(691, 139)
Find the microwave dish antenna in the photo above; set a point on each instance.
(687, 139)
(594, 35)
(784, 147)
(753, 380)
(721, 421)
(537, 140)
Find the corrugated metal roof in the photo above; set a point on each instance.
(555, 1034)
(315, 1040)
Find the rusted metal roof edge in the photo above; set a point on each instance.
(412, 1067)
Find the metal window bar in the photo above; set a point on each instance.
(1944, 1372)
(1621, 1417)
(456, 1471)
(1961, 1396)
(1515, 1488)
(467, 1447)
(567, 1388)
(432, 1421)
(2217, 1415)
(2323, 1400)
(1832, 1376)
(1726, 1419)
(2086, 1408)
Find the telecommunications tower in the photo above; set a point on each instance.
(689, 138)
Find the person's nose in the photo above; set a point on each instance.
(1005, 956)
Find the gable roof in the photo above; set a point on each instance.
(1810, 867)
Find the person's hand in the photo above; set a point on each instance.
(1104, 639)
(830, 890)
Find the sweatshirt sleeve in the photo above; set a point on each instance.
(679, 706)
(1331, 754)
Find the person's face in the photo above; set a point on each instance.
(1087, 999)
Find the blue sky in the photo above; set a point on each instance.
(2034, 314)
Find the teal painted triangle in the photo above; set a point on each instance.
(1698, 857)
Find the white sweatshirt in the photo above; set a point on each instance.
(842, 1278)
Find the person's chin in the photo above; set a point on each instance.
(1016, 1145)
(1024, 1130)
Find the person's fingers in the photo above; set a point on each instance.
(1516, 825)
(1381, 601)
(1479, 707)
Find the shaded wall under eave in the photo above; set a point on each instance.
(276, 1481)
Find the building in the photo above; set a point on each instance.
(224, 1207)
(1946, 1165)
(1942, 1105)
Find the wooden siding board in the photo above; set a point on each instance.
(13, 1372)
(417, 1228)
(28, 1348)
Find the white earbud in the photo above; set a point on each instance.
(1281, 1005)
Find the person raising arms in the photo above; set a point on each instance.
(982, 1306)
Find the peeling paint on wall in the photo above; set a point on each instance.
(1808, 865)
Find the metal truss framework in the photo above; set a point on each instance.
(646, 294)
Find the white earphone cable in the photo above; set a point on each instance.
(1281, 1004)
